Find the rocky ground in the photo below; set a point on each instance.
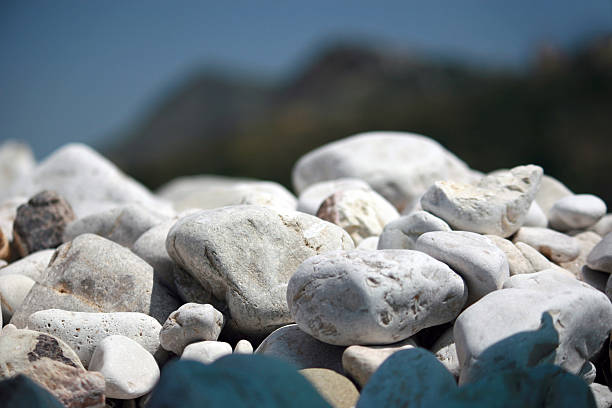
(398, 277)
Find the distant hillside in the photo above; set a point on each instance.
(558, 115)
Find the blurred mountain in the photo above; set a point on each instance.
(558, 114)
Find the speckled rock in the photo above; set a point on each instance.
(13, 289)
(206, 351)
(403, 232)
(338, 390)
(602, 395)
(31, 266)
(517, 262)
(312, 197)
(578, 211)
(554, 245)
(192, 322)
(600, 257)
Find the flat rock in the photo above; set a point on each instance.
(535, 216)
(551, 190)
(22, 392)
(587, 240)
(243, 347)
(13, 289)
(483, 266)
(446, 352)
(373, 297)
(246, 255)
(517, 262)
(574, 212)
(403, 232)
(192, 322)
(600, 257)
(312, 197)
(206, 352)
(498, 204)
(338, 390)
(554, 245)
(603, 226)
(93, 274)
(129, 370)
(399, 166)
(31, 266)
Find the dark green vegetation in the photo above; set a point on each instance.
(557, 114)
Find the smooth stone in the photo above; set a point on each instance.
(13, 289)
(446, 352)
(294, 346)
(16, 161)
(338, 390)
(403, 232)
(20, 391)
(3, 263)
(361, 213)
(373, 297)
(603, 226)
(206, 351)
(370, 244)
(238, 381)
(84, 331)
(151, 247)
(399, 166)
(190, 290)
(551, 190)
(31, 266)
(578, 211)
(537, 261)
(129, 370)
(8, 212)
(517, 262)
(602, 395)
(535, 216)
(243, 347)
(554, 245)
(587, 240)
(600, 257)
(496, 205)
(123, 224)
(246, 255)
(482, 264)
(596, 279)
(360, 362)
(609, 287)
(312, 197)
(5, 248)
(192, 322)
(93, 274)
(40, 223)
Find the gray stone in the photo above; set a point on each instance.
(551, 190)
(13, 289)
(246, 255)
(517, 262)
(602, 395)
(338, 390)
(535, 217)
(31, 266)
(587, 240)
(600, 257)
(554, 245)
(537, 261)
(151, 247)
(206, 351)
(596, 279)
(403, 232)
(578, 211)
(373, 297)
(446, 352)
(603, 226)
(192, 322)
(312, 197)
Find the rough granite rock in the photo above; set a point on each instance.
(576, 212)
(403, 232)
(192, 322)
(338, 390)
(600, 257)
(554, 245)
(312, 197)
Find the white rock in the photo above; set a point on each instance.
(537, 261)
(8, 212)
(483, 266)
(497, 205)
(587, 240)
(370, 244)
(373, 297)
(243, 347)
(535, 217)
(578, 211)
(446, 352)
(192, 322)
(31, 266)
(602, 394)
(84, 331)
(399, 166)
(603, 226)
(13, 289)
(129, 370)
(517, 262)
(600, 257)
(16, 161)
(206, 351)
(551, 190)
(403, 232)
(554, 245)
(313, 196)
(151, 246)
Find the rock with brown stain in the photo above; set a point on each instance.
(554, 245)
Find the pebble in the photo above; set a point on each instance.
(129, 370)
(373, 297)
(403, 232)
(370, 244)
(554, 245)
(8, 212)
(206, 351)
(537, 261)
(574, 212)
(603, 226)
(192, 322)
(361, 213)
(600, 257)
(517, 262)
(31, 266)
(587, 240)
(13, 289)
(338, 390)
(151, 247)
(40, 223)
(596, 279)
(312, 197)
(446, 352)
(243, 347)
(602, 395)
(535, 217)
(20, 391)
(551, 190)
(482, 264)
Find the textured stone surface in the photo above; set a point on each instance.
(587, 240)
(246, 255)
(578, 211)
(600, 257)
(206, 351)
(373, 297)
(192, 322)
(13, 289)
(517, 262)
(93, 274)
(338, 390)
(40, 223)
(312, 197)
(446, 352)
(403, 232)
(31, 266)
(554, 245)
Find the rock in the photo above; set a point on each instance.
(292, 345)
(360, 362)
(84, 331)
(129, 370)
(554, 245)
(517, 262)
(2, 263)
(603, 226)
(312, 197)
(587, 240)
(483, 266)
(403, 232)
(192, 322)
(551, 190)
(399, 166)
(588, 372)
(608, 291)
(446, 352)
(578, 211)
(246, 255)
(191, 291)
(31, 266)
(361, 213)
(537, 261)
(40, 223)
(370, 244)
(234, 381)
(338, 390)
(498, 204)
(13, 289)
(243, 347)
(535, 217)
(20, 391)
(373, 297)
(16, 161)
(8, 212)
(600, 257)
(93, 274)
(123, 224)
(151, 247)
(602, 395)
(5, 250)
(206, 351)
(596, 279)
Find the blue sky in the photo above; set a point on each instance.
(85, 70)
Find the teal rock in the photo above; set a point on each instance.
(234, 381)
(20, 391)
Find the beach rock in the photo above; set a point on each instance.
(22, 392)
(246, 255)
(517, 262)
(403, 232)
(587, 240)
(8, 212)
(600, 257)
(575, 212)
(551, 190)
(373, 297)
(151, 247)
(31, 266)
(370, 244)
(243, 347)
(13, 289)
(192, 322)
(554, 245)
(535, 217)
(446, 352)
(338, 390)
(596, 279)
(312, 197)
(602, 395)
(16, 161)
(40, 223)
(537, 261)
(603, 226)
(206, 351)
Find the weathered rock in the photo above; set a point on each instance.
(517, 262)
(578, 211)
(603, 226)
(246, 255)
(602, 395)
(192, 322)
(370, 244)
(5, 249)
(93, 274)
(600, 257)
(206, 351)
(84, 331)
(191, 290)
(40, 223)
(373, 297)
(13, 289)
(22, 392)
(483, 266)
(361, 213)
(31, 266)
(338, 390)
(16, 161)
(497, 204)
(538, 261)
(399, 166)
(535, 216)
(294, 346)
(243, 347)
(446, 352)
(587, 240)
(312, 197)
(551, 190)
(554, 245)
(129, 370)
(403, 232)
